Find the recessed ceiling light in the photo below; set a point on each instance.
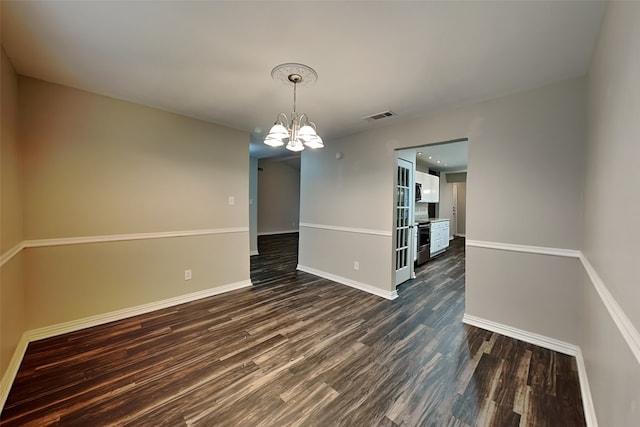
(438, 161)
(445, 164)
(419, 153)
(430, 157)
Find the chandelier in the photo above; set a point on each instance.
(299, 131)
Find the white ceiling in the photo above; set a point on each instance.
(449, 157)
(212, 60)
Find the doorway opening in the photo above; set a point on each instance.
(437, 202)
(274, 216)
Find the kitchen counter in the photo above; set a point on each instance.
(425, 219)
(438, 219)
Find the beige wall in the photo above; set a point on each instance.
(12, 309)
(253, 205)
(95, 165)
(613, 371)
(462, 207)
(445, 207)
(369, 250)
(12, 317)
(612, 184)
(11, 219)
(611, 213)
(278, 195)
(531, 292)
(354, 192)
(524, 187)
(98, 166)
(77, 281)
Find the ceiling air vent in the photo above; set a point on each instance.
(379, 116)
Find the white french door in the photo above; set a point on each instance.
(404, 222)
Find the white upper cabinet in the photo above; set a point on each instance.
(435, 189)
(430, 187)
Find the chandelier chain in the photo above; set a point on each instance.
(295, 85)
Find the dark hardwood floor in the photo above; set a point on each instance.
(296, 349)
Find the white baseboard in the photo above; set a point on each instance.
(12, 369)
(519, 334)
(585, 391)
(390, 295)
(460, 235)
(252, 253)
(100, 319)
(551, 344)
(271, 233)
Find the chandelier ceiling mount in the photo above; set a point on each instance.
(299, 131)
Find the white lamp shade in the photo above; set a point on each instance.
(278, 131)
(314, 142)
(295, 145)
(306, 132)
(273, 141)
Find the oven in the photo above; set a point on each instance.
(424, 242)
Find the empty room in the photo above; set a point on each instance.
(320, 213)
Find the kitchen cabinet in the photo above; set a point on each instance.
(434, 188)
(430, 185)
(439, 236)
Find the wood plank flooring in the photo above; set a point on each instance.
(298, 350)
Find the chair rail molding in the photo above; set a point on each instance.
(385, 233)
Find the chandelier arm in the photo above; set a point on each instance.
(282, 122)
(303, 118)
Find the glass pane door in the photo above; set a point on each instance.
(403, 231)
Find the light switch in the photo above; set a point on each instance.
(232, 200)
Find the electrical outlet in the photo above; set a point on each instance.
(356, 265)
(187, 275)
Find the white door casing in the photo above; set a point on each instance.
(454, 211)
